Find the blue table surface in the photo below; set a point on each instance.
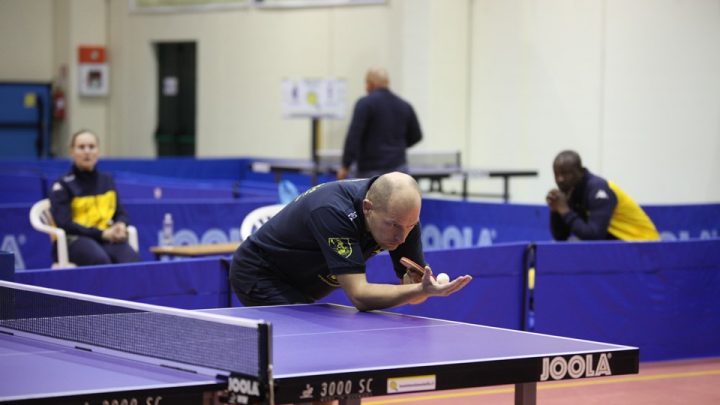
(320, 338)
(31, 368)
(307, 340)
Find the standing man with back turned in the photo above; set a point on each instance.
(383, 126)
(589, 207)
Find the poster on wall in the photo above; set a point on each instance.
(313, 98)
(94, 79)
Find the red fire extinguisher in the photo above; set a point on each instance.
(59, 104)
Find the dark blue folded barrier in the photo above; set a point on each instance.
(687, 221)
(189, 284)
(136, 186)
(493, 297)
(195, 221)
(179, 167)
(450, 224)
(7, 266)
(22, 186)
(663, 297)
(462, 224)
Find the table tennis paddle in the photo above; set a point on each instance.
(412, 265)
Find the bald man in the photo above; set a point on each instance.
(588, 207)
(383, 126)
(321, 241)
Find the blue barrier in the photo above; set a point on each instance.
(177, 167)
(448, 224)
(189, 284)
(462, 224)
(23, 186)
(663, 297)
(493, 297)
(685, 222)
(195, 221)
(7, 266)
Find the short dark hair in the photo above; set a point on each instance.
(569, 157)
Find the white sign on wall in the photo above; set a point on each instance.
(94, 79)
(314, 98)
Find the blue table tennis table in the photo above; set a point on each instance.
(317, 352)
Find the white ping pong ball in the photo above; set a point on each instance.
(442, 278)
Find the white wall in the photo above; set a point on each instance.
(536, 87)
(243, 55)
(88, 22)
(662, 99)
(634, 86)
(26, 46)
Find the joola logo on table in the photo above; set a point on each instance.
(241, 389)
(577, 367)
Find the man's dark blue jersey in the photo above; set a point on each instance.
(319, 235)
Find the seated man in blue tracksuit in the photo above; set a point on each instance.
(588, 207)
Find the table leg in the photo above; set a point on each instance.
(526, 393)
(506, 188)
(465, 186)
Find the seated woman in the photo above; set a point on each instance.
(85, 204)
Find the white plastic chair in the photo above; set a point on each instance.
(256, 218)
(42, 220)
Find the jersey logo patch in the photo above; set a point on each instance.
(601, 195)
(341, 246)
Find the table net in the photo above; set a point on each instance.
(180, 336)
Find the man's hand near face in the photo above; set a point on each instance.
(557, 201)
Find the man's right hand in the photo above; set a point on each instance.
(342, 173)
(557, 201)
(431, 287)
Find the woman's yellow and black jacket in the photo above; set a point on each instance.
(86, 203)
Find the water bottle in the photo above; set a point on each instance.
(166, 238)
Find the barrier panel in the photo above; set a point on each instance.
(188, 284)
(195, 221)
(461, 224)
(493, 297)
(7, 266)
(448, 223)
(685, 222)
(22, 186)
(663, 297)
